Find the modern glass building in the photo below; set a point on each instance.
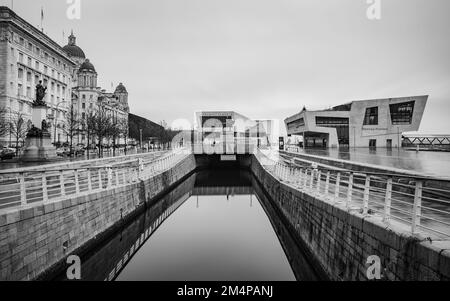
(365, 123)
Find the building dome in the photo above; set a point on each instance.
(120, 89)
(72, 49)
(87, 66)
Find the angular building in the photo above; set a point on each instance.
(28, 56)
(366, 123)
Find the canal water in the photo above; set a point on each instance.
(214, 226)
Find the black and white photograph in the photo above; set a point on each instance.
(224, 147)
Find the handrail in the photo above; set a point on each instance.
(411, 203)
(24, 188)
(407, 174)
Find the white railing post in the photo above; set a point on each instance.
(349, 190)
(100, 183)
(23, 190)
(89, 179)
(311, 182)
(77, 181)
(109, 180)
(417, 208)
(117, 176)
(366, 195)
(387, 201)
(305, 180)
(337, 186)
(123, 176)
(44, 187)
(61, 183)
(327, 183)
(319, 176)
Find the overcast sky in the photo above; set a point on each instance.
(262, 58)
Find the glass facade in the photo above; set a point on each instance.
(371, 117)
(402, 113)
(296, 124)
(341, 125)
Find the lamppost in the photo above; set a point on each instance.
(140, 143)
(56, 119)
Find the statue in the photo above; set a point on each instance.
(40, 94)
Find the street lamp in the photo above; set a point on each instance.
(56, 109)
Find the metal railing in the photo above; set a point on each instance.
(24, 187)
(392, 197)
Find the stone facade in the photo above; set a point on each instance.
(35, 238)
(27, 55)
(341, 241)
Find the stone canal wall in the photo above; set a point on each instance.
(341, 241)
(38, 237)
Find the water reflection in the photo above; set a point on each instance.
(202, 230)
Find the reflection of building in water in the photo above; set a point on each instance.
(218, 126)
(367, 123)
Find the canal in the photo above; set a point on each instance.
(216, 225)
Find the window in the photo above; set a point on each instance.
(296, 124)
(53, 72)
(29, 61)
(52, 87)
(372, 143)
(28, 92)
(19, 89)
(20, 57)
(402, 113)
(45, 70)
(28, 77)
(331, 121)
(20, 106)
(30, 46)
(38, 51)
(21, 41)
(83, 115)
(83, 105)
(20, 73)
(371, 117)
(46, 56)
(37, 65)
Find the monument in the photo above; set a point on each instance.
(38, 146)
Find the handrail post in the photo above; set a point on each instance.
(61, 182)
(387, 201)
(337, 186)
(311, 182)
(305, 180)
(366, 195)
(417, 208)
(117, 176)
(319, 176)
(44, 187)
(89, 180)
(77, 182)
(327, 183)
(100, 183)
(23, 190)
(349, 190)
(109, 180)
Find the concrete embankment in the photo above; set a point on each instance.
(37, 238)
(342, 241)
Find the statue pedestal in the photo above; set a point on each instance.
(38, 144)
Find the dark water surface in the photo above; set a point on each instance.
(214, 226)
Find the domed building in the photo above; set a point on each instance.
(88, 97)
(74, 52)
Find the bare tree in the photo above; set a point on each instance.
(4, 122)
(73, 124)
(89, 128)
(101, 127)
(19, 127)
